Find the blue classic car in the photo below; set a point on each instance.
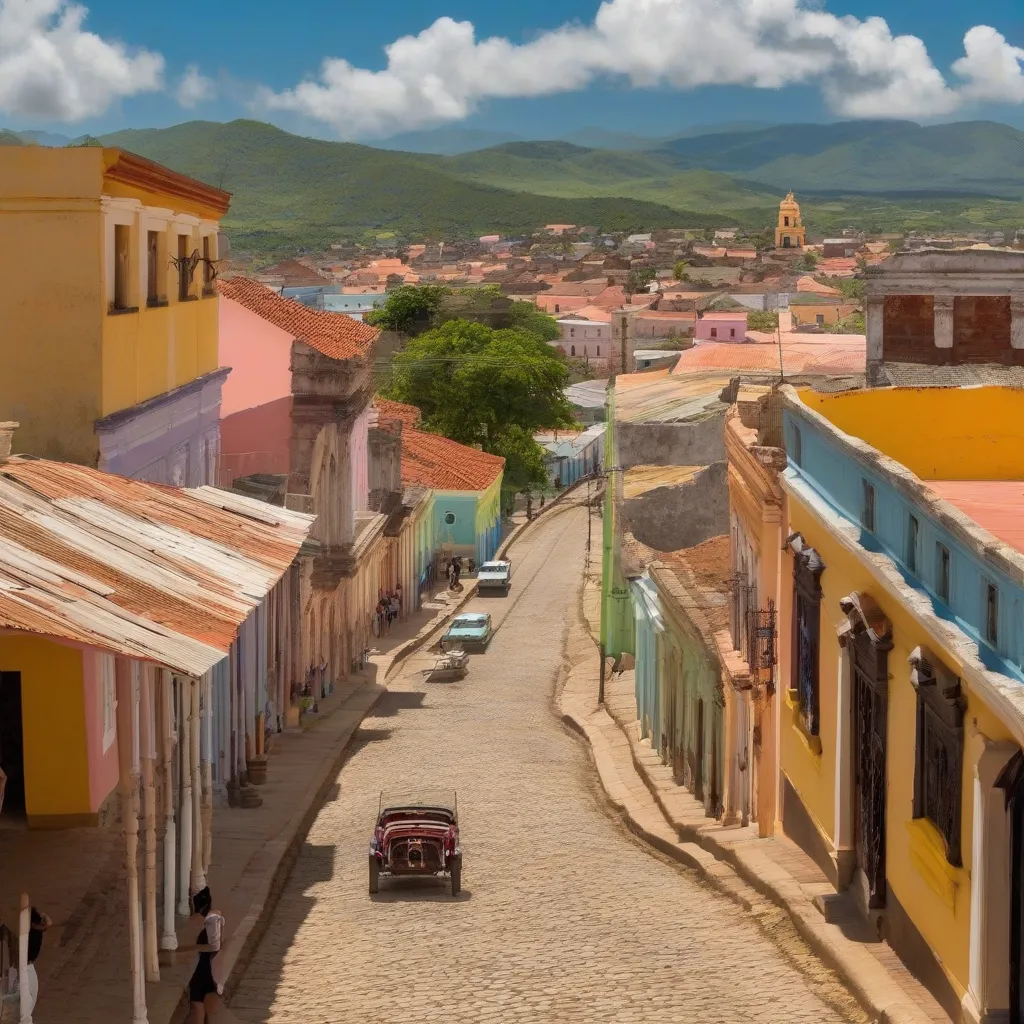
(470, 629)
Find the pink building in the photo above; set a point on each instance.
(258, 333)
(719, 326)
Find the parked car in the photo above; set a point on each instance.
(470, 629)
(495, 576)
(416, 835)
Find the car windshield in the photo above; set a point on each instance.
(493, 567)
(470, 621)
(427, 796)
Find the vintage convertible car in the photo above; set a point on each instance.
(470, 629)
(416, 834)
(494, 576)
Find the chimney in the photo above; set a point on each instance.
(6, 439)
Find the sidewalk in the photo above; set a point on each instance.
(760, 874)
(77, 876)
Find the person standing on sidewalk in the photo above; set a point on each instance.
(40, 922)
(203, 989)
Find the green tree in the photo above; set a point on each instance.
(409, 309)
(524, 459)
(761, 321)
(853, 324)
(679, 270)
(474, 383)
(639, 279)
(807, 262)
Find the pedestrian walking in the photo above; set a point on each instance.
(396, 607)
(39, 923)
(203, 988)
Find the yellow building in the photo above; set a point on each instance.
(109, 341)
(901, 672)
(822, 314)
(790, 233)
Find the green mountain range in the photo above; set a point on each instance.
(298, 192)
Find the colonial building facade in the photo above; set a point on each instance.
(128, 327)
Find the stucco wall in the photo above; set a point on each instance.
(259, 355)
(694, 443)
(944, 925)
(937, 433)
(172, 440)
(103, 766)
(669, 518)
(55, 730)
(51, 336)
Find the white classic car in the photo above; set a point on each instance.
(494, 576)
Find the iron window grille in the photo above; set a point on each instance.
(807, 595)
(939, 749)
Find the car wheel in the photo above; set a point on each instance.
(374, 875)
(456, 869)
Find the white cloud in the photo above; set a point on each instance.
(51, 69)
(194, 88)
(863, 70)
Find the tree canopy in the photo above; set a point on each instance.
(487, 387)
(762, 321)
(408, 309)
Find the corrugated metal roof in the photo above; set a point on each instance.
(638, 480)
(150, 572)
(667, 397)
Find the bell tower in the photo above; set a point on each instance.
(790, 232)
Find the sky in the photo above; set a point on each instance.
(535, 68)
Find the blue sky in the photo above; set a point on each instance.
(248, 57)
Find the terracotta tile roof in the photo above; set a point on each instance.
(334, 334)
(826, 354)
(547, 302)
(409, 415)
(296, 274)
(808, 284)
(446, 465)
(594, 313)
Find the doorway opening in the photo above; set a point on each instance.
(12, 747)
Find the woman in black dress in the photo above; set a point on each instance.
(202, 984)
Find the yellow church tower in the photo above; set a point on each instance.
(790, 233)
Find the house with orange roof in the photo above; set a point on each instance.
(298, 428)
(467, 492)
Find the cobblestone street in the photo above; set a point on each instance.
(563, 917)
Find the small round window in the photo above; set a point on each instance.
(449, 518)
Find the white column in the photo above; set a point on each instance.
(744, 767)
(168, 935)
(842, 840)
(185, 789)
(874, 326)
(988, 988)
(1017, 321)
(24, 926)
(197, 875)
(148, 751)
(943, 311)
(128, 779)
(206, 712)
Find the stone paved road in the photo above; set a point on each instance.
(563, 917)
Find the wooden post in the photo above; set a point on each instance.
(206, 722)
(128, 784)
(148, 751)
(24, 987)
(165, 705)
(185, 780)
(197, 875)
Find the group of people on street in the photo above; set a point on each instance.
(388, 610)
(205, 987)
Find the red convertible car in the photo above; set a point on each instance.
(416, 835)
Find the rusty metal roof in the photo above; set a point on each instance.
(150, 572)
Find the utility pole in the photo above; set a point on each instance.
(589, 514)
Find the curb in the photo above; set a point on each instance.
(725, 871)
